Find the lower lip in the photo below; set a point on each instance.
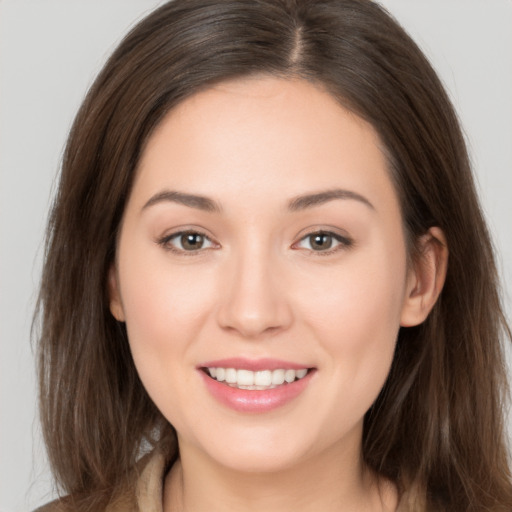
(252, 400)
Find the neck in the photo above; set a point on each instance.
(335, 480)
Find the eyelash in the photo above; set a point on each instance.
(165, 242)
(343, 242)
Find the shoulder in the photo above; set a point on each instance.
(59, 505)
(64, 504)
(143, 491)
(123, 500)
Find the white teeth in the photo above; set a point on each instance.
(220, 374)
(263, 379)
(244, 378)
(289, 375)
(278, 377)
(230, 375)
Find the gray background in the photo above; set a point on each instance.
(50, 51)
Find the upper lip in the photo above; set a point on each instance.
(254, 365)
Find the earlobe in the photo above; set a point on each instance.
(116, 306)
(426, 278)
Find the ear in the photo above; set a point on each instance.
(116, 306)
(426, 278)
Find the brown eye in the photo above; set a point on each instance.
(186, 242)
(324, 242)
(320, 241)
(191, 241)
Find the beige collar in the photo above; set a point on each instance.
(147, 494)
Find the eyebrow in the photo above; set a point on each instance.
(193, 201)
(311, 200)
(298, 203)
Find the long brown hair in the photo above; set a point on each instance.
(437, 428)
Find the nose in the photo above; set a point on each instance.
(253, 298)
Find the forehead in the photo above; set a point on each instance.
(266, 136)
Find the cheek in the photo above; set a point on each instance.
(354, 312)
(164, 308)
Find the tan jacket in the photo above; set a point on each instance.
(147, 493)
(145, 496)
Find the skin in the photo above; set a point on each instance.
(259, 287)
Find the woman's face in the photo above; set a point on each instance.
(262, 238)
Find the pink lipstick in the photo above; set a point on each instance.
(255, 386)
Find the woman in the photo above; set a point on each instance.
(268, 282)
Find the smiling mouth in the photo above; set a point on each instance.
(255, 380)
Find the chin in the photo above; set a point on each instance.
(257, 460)
(264, 449)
